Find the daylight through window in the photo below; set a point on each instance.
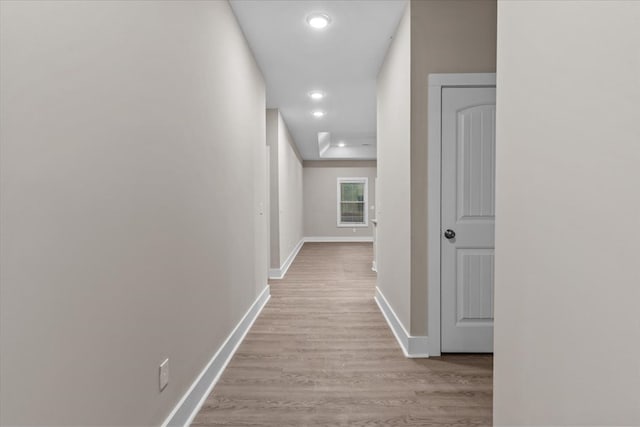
(352, 202)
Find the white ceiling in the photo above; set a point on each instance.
(342, 60)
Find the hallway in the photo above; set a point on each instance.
(321, 353)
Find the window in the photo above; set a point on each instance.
(352, 202)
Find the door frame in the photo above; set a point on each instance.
(437, 82)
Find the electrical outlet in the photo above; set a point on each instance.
(164, 374)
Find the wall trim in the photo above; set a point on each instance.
(278, 273)
(412, 346)
(189, 405)
(338, 239)
(434, 176)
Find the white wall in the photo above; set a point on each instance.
(436, 36)
(321, 197)
(272, 123)
(567, 335)
(446, 37)
(394, 157)
(261, 176)
(287, 190)
(129, 130)
(291, 193)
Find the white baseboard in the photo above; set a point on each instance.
(187, 408)
(274, 273)
(278, 273)
(338, 239)
(412, 346)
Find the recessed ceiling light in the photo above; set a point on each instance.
(316, 95)
(341, 144)
(318, 114)
(318, 20)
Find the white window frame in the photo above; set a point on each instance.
(350, 180)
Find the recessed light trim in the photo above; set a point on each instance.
(341, 144)
(318, 21)
(316, 95)
(318, 114)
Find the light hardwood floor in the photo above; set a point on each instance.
(321, 354)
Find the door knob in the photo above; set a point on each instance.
(449, 234)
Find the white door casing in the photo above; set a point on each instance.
(468, 210)
(469, 268)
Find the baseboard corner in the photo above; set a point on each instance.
(279, 273)
(412, 346)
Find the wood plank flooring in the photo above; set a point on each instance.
(321, 354)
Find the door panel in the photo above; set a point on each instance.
(474, 286)
(476, 148)
(468, 208)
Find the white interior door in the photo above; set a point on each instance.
(468, 218)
